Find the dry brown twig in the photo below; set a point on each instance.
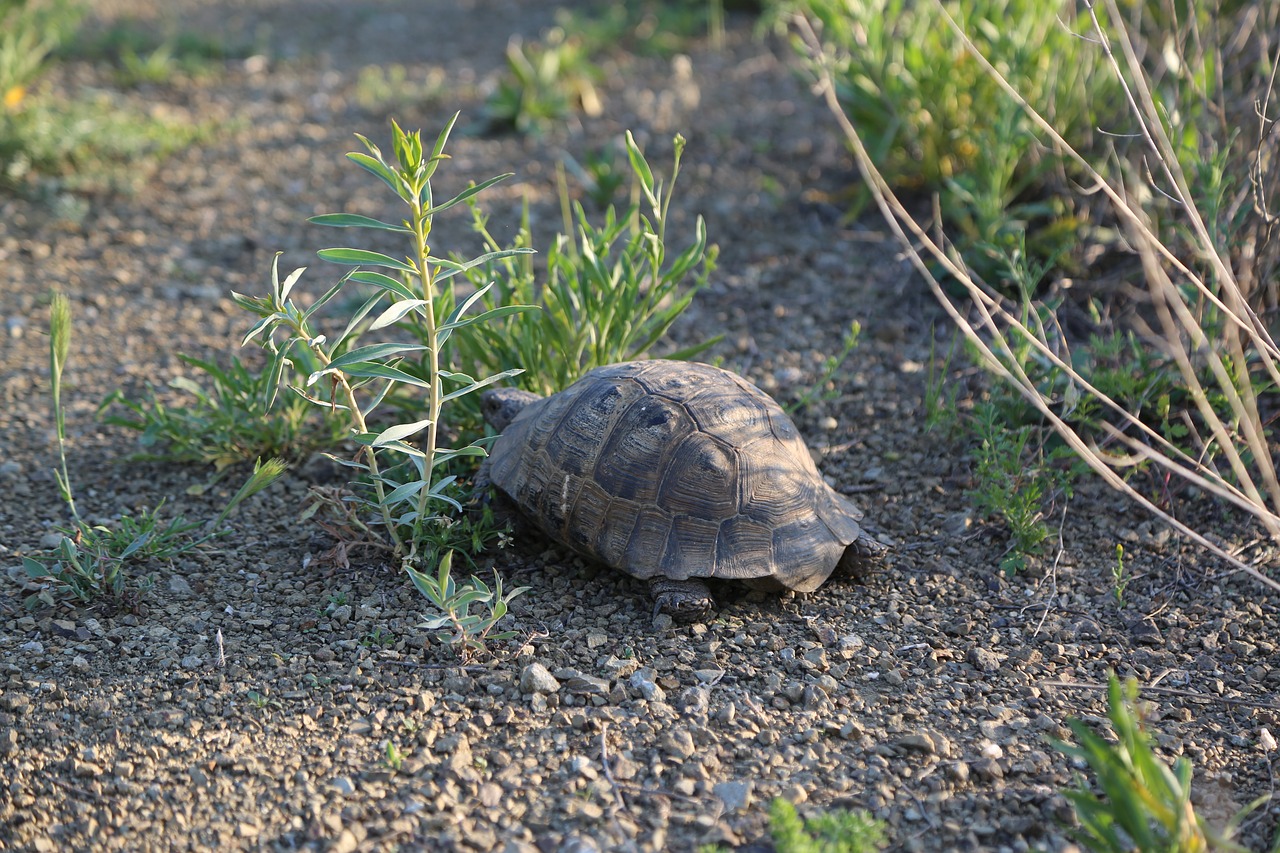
(1183, 335)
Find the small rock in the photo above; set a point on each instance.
(192, 662)
(52, 540)
(346, 842)
(344, 785)
(85, 769)
(642, 680)
(33, 646)
(678, 743)
(983, 660)
(341, 614)
(1266, 740)
(958, 772)
(708, 676)
(1086, 629)
(535, 678)
(619, 667)
(918, 742)
(595, 640)
(988, 768)
(63, 627)
(1146, 633)
(795, 794)
(490, 794)
(815, 698)
(580, 683)
(578, 844)
(736, 796)
(694, 700)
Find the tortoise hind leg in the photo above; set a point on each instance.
(683, 600)
(862, 556)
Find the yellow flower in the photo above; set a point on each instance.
(13, 97)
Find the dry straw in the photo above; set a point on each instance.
(1251, 483)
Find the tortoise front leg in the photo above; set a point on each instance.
(684, 601)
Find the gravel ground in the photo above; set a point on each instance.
(250, 704)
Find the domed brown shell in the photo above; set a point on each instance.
(675, 469)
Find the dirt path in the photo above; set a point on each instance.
(250, 707)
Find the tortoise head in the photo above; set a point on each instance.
(501, 405)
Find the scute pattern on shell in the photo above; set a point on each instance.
(675, 469)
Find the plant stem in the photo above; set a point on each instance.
(421, 231)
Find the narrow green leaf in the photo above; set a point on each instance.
(488, 380)
(355, 220)
(136, 545)
(357, 257)
(404, 492)
(467, 193)
(34, 568)
(400, 432)
(379, 370)
(397, 310)
(641, 169)
(491, 314)
(437, 153)
(372, 352)
(328, 294)
(384, 282)
(449, 268)
(377, 167)
(289, 282)
(462, 307)
(354, 320)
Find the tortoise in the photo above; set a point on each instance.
(673, 472)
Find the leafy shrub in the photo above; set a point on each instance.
(610, 291)
(405, 487)
(934, 121)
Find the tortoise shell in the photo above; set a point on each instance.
(676, 470)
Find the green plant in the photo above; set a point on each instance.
(394, 87)
(599, 174)
(545, 82)
(830, 365)
(378, 637)
(262, 700)
(239, 417)
(1120, 580)
(1199, 282)
(93, 142)
(934, 121)
(89, 563)
(1013, 480)
(30, 32)
(836, 831)
(407, 491)
(610, 292)
(940, 393)
(1141, 802)
(457, 626)
(392, 756)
